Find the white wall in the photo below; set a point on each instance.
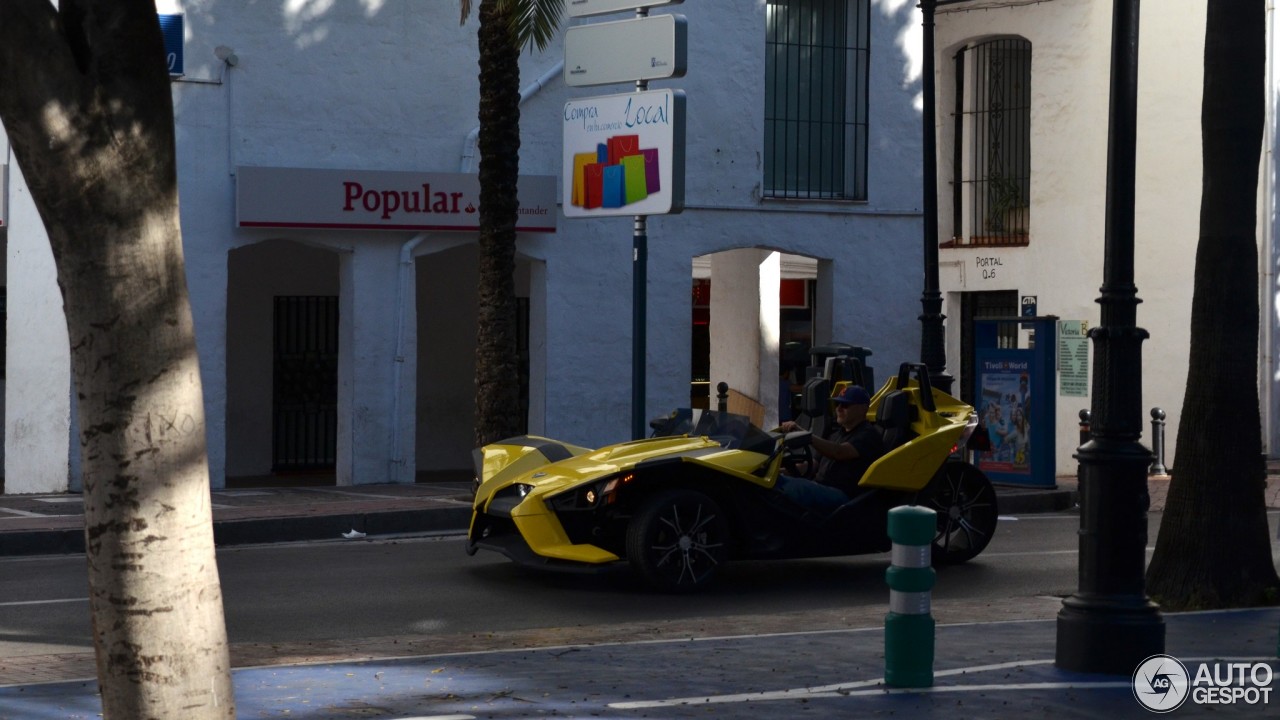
(38, 356)
(393, 86)
(1063, 263)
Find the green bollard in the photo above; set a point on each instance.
(909, 627)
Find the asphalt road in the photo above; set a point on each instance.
(347, 590)
(414, 628)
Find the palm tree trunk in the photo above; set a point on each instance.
(1214, 548)
(497, 379)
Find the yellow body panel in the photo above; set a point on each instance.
(911, 466)
(542, 530)
(507, 465)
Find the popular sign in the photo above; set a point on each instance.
(624, 154)
(380, 200)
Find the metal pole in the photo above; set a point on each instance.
(639, 305)
(933, 336)
(639, 319)
(1109, 625)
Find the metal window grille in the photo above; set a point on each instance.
(815, 139)
(305, 383)
(994, 192)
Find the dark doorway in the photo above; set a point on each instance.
(305, 383)
(979, 305)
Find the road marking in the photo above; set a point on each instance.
(1029, 552)
(760, 697)
(27, 514)
(871, 687)
(360, 495)
(43, 602)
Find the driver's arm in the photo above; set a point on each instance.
(834, 450)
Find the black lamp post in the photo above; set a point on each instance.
(933, 336)
(1109, 625)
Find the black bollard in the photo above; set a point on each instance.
(1157, 441)
(722, 397)
(1084, 438)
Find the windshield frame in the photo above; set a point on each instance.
(732, 431)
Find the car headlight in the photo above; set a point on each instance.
(597, 494)
(506, 499)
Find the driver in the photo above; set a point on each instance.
(846, 454)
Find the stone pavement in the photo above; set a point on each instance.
(990, 668)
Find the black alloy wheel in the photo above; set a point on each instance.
(678, 540)
(967, 515)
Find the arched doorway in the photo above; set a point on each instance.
(282, 356)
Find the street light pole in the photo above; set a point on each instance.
(933, 337)
(1109, 625)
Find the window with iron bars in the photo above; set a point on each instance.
(815, 134)
(992, 186)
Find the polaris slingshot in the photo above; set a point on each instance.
(701, 491)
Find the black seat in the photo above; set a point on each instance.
(815, 406)
(894, 418)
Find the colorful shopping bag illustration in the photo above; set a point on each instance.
(580, 162)
(593, 180)
(614, 192)
(621, 146)
(651, 174)
(635, 186)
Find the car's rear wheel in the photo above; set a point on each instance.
(966, 505)
(678, 540)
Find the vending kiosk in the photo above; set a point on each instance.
(1014, 368)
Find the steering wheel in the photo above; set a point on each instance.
(797, 455)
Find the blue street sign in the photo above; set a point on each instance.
(171, 26)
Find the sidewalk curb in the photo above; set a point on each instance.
(262, 530)
(308, 522)
(331, 527)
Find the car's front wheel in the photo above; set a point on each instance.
(678, 540)
(967, 515)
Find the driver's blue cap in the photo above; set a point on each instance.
(853, 395)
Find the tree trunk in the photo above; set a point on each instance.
(1214, 548)
(88, 109)
(497, 367)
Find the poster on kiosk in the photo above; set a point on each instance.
(1014, 398)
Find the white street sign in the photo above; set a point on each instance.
(624, 154)
(586, 8)
(647, 48)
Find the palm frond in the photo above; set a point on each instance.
(535, 21)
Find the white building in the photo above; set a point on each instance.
(371, 88)
(1022, 137)
(351, 349)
